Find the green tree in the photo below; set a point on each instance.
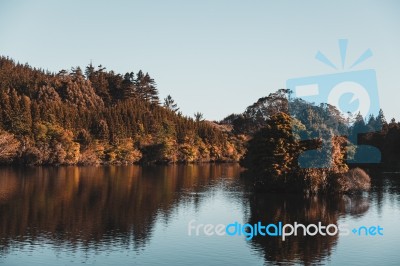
(170, 104)
(146, 87)
(198, 117)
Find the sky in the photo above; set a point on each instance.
(215, 57)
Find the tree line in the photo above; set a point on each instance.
(284, 132)
(97, 116)
(309, 119)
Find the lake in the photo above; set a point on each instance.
(132, 215)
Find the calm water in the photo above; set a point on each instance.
(139, 216)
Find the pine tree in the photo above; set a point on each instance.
(89, 71)
(170, 104)
(198, 117)
(146, 87)
(59, 116)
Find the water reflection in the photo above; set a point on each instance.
(290, 208)
(90, 205)
(109, 208)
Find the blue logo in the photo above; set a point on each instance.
(280, 229)
(352, 93)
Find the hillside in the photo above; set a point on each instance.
(96, 116)
(312, 122)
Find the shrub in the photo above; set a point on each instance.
(9, 146)
(354, 180)
(89, 157)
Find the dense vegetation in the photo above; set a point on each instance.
(285, 132)
(98, 116)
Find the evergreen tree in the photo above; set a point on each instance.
(89, 71)
(106, 117)
(146, 87)
(198, 117)
(170, 104)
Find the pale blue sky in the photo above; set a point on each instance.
(216, 57)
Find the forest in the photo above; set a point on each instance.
(283, 130)
(96, 116)
(310, 121)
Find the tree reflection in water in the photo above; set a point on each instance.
(290, 208)
(89, 205)
(101, 207)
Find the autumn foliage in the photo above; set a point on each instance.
(99, 117)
